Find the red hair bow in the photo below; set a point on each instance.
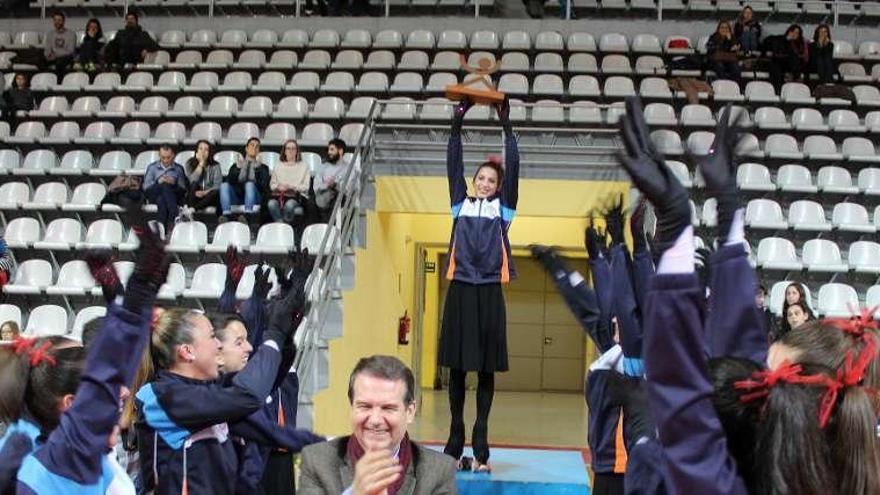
(41, 355)
(856, 326)
(759, 385)
(24, 346)
(494, 159)
(851, 374)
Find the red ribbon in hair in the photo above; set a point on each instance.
(23, 345)
(851, 374)
(856, 326)
(759, 385)
(41, 355)
(494, 159)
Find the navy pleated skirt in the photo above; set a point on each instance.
(473, 336)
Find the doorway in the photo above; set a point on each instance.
(546, 346)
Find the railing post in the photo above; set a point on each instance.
(387, 8)
(568, 10)
(836, 12)
(211, 9)
(296, 8)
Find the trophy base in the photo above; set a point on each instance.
(458, 92)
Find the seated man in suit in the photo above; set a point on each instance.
(378, 457)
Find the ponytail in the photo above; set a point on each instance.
(14, 375)
(856, 446)
(34, 376)
(174, 327)
(792, 453)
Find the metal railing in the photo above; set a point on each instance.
(476, 5)
(322, 286)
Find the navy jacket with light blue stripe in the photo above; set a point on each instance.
(173, 408)
(72, 460)
(592, 308)
(479, 250)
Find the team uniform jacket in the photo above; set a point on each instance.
(734, 325)
(270, 428)
(183, 435)
(679, 390)
(733, 328)
(479, 250)
(73, 458)
(593, 309)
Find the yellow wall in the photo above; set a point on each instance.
(414, 211)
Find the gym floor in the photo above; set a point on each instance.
(528, 419)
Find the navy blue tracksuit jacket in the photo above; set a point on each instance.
(72, 459)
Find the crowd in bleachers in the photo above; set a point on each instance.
(213, 134)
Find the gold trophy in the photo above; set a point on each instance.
(478, 76)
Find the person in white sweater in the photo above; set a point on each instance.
(289, 184)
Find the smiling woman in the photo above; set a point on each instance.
(235, 350)
(473, 336)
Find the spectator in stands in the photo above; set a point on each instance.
(822, 55)
(165, 186)
(90, 54)
(797, 314)
(766, 315)
(328, 177)
(789, 54)
(723, 53)
(289, 184)
(205, 177)
(747, 31)
(9, 331)
(59, 46)
(131, 45)
(247, 180)
(379, 456)
(357, 8)
(18, 98)
(794, 294)
(310, 5)
(6, 263)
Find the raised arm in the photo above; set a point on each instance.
(76, 448)
(193, 407)
(578, 296)
(629, 319)
(679, 391)
(510, 186)
(734, 325)
(603, 286)
(455, 159)
(197, 406)
(643, 263)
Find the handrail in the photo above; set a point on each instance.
(328, 260)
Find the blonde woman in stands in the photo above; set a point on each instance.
(722, 50)
(747, 31)
(289, 184)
